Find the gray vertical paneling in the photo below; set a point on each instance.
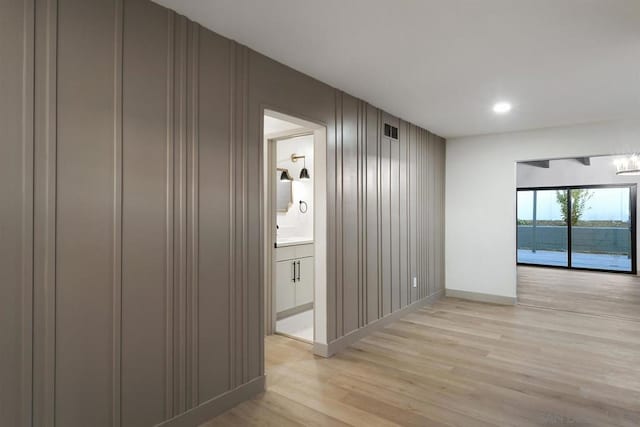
(426, 213)
(433, 212)
(27, 215)
(132, 223)
(385, 224)
(423, 215)
(338, 214)
(16, 214)
(440, 203)
(117, 229)
(85, 209)
(349, 213)
(214, 240)
(254, 306)
(381, 233)
(244, 355)
(180, 45)
(192, 213)
(169, 218)
(362, 213)
(372, 212)
(394, 218)
(44, 238)
(144, 244)
(436, 208)
(403, 213)
(412, 219)
(331, 199)
(239, 283)
(418, 214)
(233, 372)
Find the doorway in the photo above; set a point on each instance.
(295, 227)
(589, 227)
(577, 213)
(576, 234)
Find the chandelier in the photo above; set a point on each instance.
(628, 166)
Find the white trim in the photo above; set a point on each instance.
(477, 296)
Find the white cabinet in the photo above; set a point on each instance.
(304, 282)
(285, 285)
(293, 277)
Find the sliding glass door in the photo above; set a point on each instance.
(542, 231)
(601, 228)
(588, 227)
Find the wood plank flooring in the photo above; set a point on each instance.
(459, 363)
(602, 294)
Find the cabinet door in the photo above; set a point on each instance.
(285, 286)
(304, 287)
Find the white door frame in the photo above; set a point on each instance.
(319, 224)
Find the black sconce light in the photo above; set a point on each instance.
(304, 172)
(284, 175)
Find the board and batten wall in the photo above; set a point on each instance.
(131, 219)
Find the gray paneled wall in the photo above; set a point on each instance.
(131, 229)
(388, 211)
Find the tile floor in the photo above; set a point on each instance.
(297, 326)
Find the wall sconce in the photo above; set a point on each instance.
(284, 175)
(304, 172)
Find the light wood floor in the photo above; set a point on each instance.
(459, 363)
(601, 294)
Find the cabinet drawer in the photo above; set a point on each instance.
(295, 251)
(285, 253)
(303, 251)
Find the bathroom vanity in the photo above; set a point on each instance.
(293, 277)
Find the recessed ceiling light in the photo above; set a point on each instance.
(501, 107)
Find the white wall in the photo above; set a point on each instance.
(320, 233)
(294, 223)
(480, 195)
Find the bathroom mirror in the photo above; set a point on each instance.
(284, 194)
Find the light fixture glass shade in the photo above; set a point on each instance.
(628, 166)
(304, 174)
(502, 107)
(284, 176)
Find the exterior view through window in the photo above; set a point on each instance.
(590, 227)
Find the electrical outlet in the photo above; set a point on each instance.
(415, 282)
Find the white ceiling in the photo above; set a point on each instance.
(442, 63)
(274, 125)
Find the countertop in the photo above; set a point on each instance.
(293, 242)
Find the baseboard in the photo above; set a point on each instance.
(293, 311)
(328, 350)
(477, 296)
(213, 407)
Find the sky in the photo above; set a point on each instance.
(606, 204)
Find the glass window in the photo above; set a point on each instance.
(542, 228)
(577, 227)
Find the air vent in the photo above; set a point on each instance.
(390, 131)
